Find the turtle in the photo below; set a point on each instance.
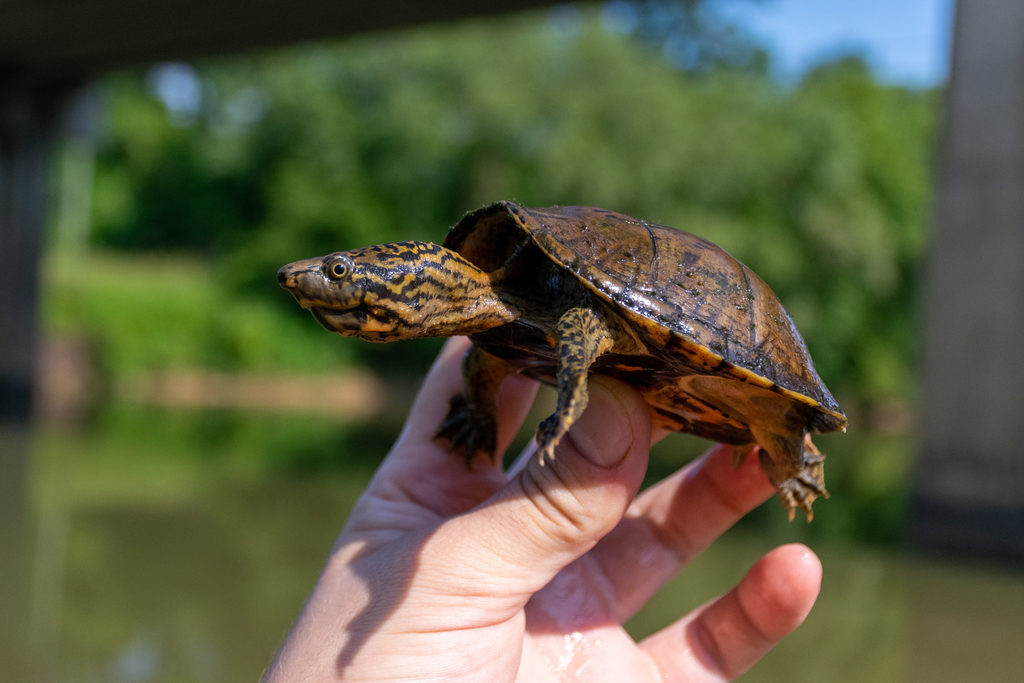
(561, 292)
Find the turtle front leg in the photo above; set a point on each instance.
(583, 335)
(472, 420)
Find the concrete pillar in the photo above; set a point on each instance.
(25, 132)
(969, 495)
(27, 125)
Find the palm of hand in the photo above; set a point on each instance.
(444, 574)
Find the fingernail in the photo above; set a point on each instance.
(603, 434)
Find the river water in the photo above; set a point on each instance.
(168, 547)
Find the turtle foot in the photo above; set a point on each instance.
(549, 433)
(475, 432)
(801, 490)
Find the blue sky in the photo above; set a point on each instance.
(906, 41)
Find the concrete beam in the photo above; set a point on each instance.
(45, 39)
(27, 127)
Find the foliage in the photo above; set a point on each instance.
(822, 188)
(155, 313)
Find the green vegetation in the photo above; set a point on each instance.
(148, 312)
(821, 188)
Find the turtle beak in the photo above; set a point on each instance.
(305, 281)
(286, 277)
(301, 278)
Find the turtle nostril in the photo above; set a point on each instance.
(282, 277)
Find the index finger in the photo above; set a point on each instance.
(444, 381)
(420, 471)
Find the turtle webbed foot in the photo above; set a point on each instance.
(549, 433)
(801, 489)
(475, 431)
(796, 494)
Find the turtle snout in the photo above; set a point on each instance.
(286, 277)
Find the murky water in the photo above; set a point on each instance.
(154, 554)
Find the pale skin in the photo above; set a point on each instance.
(446, 574)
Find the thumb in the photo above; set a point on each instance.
(550, 514)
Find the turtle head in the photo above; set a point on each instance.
(396, 291)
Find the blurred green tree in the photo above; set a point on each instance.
(822, 187)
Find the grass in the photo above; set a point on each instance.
(145, 313)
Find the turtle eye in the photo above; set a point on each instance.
(338, 269)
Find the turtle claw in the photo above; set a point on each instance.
(549, 433)
(473, 431)
(740, 453)
(795, 494)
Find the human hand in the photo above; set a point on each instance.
(446, 574)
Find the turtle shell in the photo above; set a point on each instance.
(697, 311)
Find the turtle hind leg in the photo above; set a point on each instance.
(800, 479)
(583, 335)
(472, 420)
(468, 428)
